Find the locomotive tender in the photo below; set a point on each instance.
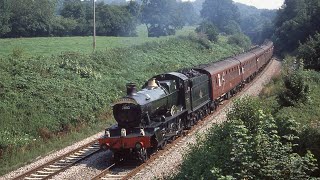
(171, 102)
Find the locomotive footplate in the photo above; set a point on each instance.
(120, 138)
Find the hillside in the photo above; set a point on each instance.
(256, 23)
(45, 98)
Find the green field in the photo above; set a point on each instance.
(45, 46)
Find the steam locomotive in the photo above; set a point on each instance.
(171, 102)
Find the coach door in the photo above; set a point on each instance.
(219, 88)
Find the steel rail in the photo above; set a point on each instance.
(61, 163)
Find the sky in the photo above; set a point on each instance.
(263, 4)
(260, 4)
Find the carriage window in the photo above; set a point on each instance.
(219, 79)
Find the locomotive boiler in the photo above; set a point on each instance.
(138, 108)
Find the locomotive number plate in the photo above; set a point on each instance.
(125, 107)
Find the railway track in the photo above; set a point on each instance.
(61, 163)
(117, 172)
(126, 170)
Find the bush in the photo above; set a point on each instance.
(310, 52)
(232, 28)
(247, 146)
(208, 29)
(199, 38)
(240, 40)
(295, 91)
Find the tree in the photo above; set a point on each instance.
(189, 13)
(256, 23)
(220, 12)
(31, 18)
(81, 11)
(161, 17)
(5, 14)
(295, 22)
(115, 21)
(73, 9)
(295, 91)
(232, 28)
(134, 8)
(240, 40)
(209, 30)
(310, 52)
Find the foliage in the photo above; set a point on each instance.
(240, 40)
(220, 13)
(30, 18)
(247, 146)
(42, 97)
(134, 9)
(115, 21)
(4, 17)
(38, 18)
(256, 23)
(306, 115)
(295, 22)
(189, 13)
(63, 26)
(310, 52)
(232, 28)
(81, 12)
(295, 90)
(209, 30)
(162, 17)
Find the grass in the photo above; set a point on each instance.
(43, 147)
(47, 100)
(46, 46)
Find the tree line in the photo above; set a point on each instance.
(38, 18)
(296, 30)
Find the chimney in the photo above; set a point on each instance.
(131, 88)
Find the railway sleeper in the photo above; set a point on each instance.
(52, 169)
(39, 175)
(33, 178)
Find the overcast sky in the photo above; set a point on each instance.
(263, 4)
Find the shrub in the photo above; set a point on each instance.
(247, 146)
(232, 28)
(295, 91)
(209, 30)
(310, 52)
(240, 40)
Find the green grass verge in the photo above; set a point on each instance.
(55, 45)
(44, 97)
(22, 156)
